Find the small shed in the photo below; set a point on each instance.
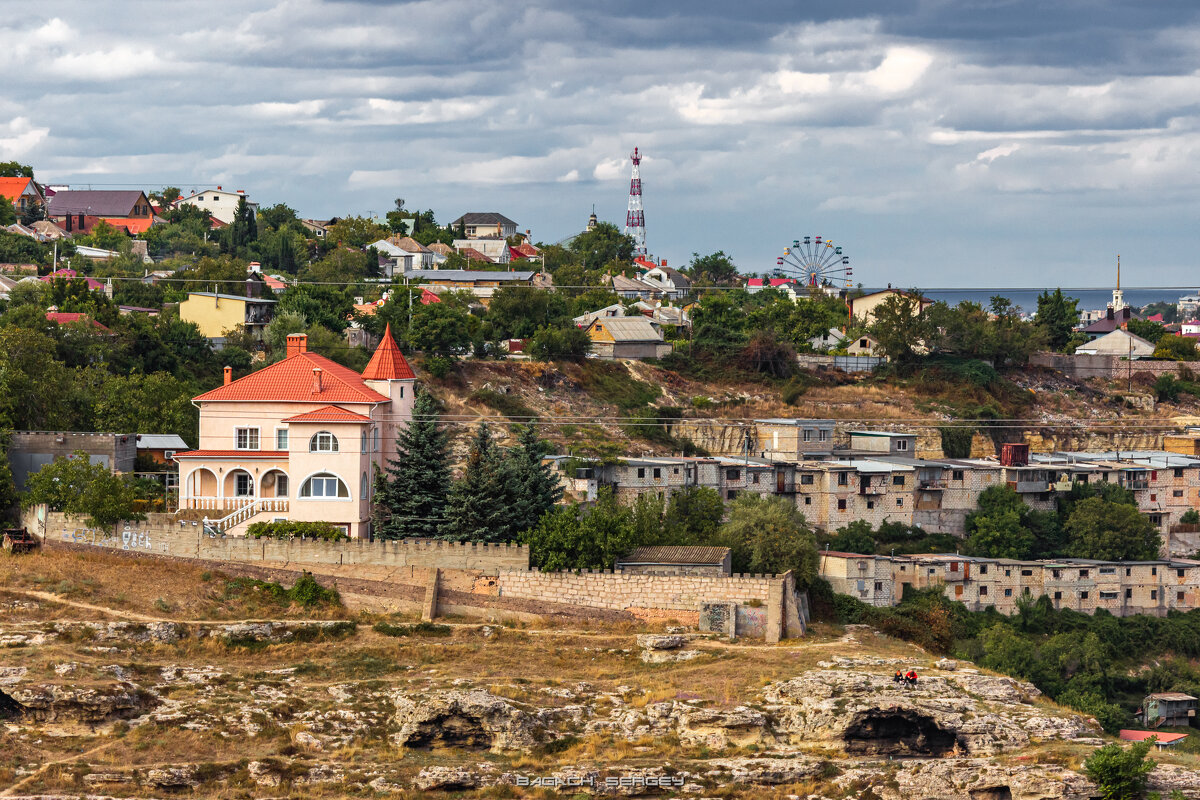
(626, 337)
(1119, 342)
(1168, 708)
(1161, 740)
(710, 561)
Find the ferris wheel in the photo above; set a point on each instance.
(816, 261)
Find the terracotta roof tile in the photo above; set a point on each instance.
(328, 414)
(68, 317)
(276, 454)
(291, 381)
(388, 363)
(12, 188)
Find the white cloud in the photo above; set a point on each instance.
(102, 65)
(21, 138)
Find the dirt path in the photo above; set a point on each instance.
(12, 790)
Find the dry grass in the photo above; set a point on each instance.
(145, 586)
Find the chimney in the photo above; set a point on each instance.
(1109, 313)
(218, 187)
(297, 343)
(241, 191)
(662, 263)
(316, 380)
(228, 375)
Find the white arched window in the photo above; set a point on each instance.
(323, 442)
(324, 486)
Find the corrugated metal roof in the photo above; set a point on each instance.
(676, 556)
(160, 441)
(1170, 696)
(469, 275)
(1162, 736)
(630, 329)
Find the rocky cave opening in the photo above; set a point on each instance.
(991, 793)
(452, 730)
(898, 732)
(9, 708)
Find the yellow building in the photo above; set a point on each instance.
(216, 313)
(863, 308)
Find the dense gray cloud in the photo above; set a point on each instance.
(942, 142)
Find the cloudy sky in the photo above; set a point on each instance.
(941, 142)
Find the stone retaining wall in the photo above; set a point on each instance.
(162, 534)
(1082, 367)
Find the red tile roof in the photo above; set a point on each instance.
(69, 274)
(428, 297)
(67, 317)
(388, 363)
(12, 188)
(276, 454)
(471, 254)
(292, 381)
(329, 414)
(1141, 736)
(132, 226)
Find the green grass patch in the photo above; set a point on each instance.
(609, 382)
(507, 404)
(415, 629)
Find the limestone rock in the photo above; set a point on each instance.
(306, 739)
(473, 719)
(867, 714)
(49, 702)
(446, 779)
(264, 774)
(660, 641)
(669, 656)
(173, 777)
(968, 779)
(101, 778)
(765, 771)
(947, 664)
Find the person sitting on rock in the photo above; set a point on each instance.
(898, 677)
(911, 678)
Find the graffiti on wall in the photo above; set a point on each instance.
(127, 539)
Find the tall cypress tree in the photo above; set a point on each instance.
(479, 508)
(410, 495)
(536, 489)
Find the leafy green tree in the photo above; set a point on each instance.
(1176, 348)
(600, 246)
(154, 403)
(768, 534)
(327, 306)
(956, 440)
(479, 508)
(900, 327)
(356, 232)
(855, 537)
(1057, 315)
(79, 488)
(1110, 531)
(8, 488)
(13, 169)
(1000, 536)
(399, 221)
(282, 325)
(1150, 331)
(339, 266)
(1119, 772)
(8, 214)
(714, 269)
(692, 516)
(516, 312)
(410, 496)
(445, 328)
(559, 344)
(571, 538)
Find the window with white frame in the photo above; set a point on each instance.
(323, 442)
(901, 444)
(245, 438)
(281, 485)
(324, 486)
(281, 438)
(243, 485)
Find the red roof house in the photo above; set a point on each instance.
(300, 439)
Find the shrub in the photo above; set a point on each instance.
(1120, 773)
(416, 629)
(308, 593)
(559, 344)
(507, 404)
(439, 366)
(1190, 517)
(291, 529)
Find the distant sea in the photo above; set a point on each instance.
(1027, 298)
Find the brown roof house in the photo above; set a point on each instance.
(709, 561)
(626, 337)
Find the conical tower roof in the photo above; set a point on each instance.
(388, 363)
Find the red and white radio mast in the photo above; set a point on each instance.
(635, 218)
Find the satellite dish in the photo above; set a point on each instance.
(268, 480)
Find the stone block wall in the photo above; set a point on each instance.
(162, 534)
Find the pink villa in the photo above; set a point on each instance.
(298, 440)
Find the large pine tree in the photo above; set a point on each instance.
(536, 488)
(410, 498)
(480, 506)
